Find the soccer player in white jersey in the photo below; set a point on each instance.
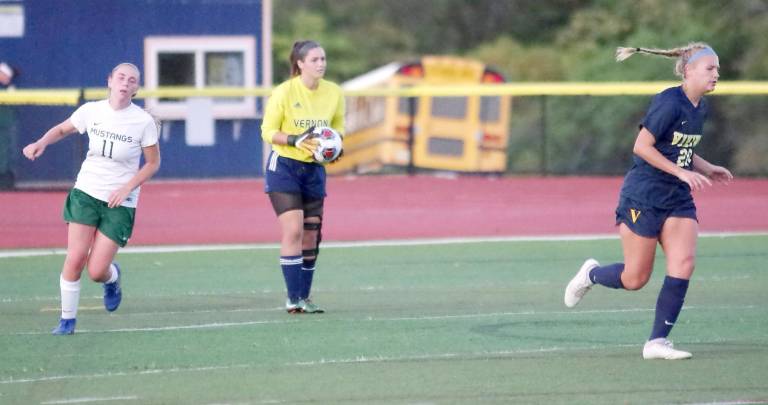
(100, 209)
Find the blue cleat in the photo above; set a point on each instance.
(66, 327)
(112, 293)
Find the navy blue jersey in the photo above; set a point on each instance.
(677, 126)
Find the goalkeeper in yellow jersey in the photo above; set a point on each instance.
(294, 182)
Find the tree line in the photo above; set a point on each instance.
(556, 40)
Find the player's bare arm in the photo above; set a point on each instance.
(55, 134)
(645, 149)
(717, 173)
(150, 167)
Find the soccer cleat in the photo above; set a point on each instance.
(112, 292)
(66, 327)
(310, 307)
(292, 307)
(661, 348)
(579, 284)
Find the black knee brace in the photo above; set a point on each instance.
(314, 226)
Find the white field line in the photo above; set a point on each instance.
(250, 293)
(214, 325)
(358, 359)
(221, 325)
(460, 356)
(354, 360)
(79, 308)
(364, 244)
(100, 308)
(280, 309)
(736, 402)
(120, 374)
(88, 399)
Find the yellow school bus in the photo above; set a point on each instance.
(454, 133)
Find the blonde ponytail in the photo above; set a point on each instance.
(682, 54)
(624, 53)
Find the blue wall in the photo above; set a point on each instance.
(75, 43)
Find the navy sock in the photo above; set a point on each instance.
(668, 306)
(291, 266)
(609, 276)
(307, 273)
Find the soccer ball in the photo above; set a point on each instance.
(329, 147)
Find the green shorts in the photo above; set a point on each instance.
(115, 223)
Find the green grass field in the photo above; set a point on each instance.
(444, 323)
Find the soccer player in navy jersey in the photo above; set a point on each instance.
(655, 204)
(295, 183)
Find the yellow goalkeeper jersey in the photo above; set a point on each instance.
(293, 108)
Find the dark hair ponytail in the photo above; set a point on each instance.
(299, 52)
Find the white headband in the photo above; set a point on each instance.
(706, 51)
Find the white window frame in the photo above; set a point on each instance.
(200, 45)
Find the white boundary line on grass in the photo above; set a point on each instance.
(358, 359)
(89, 399)
(369, 243)
(120, 374)
(219, 325)
(442, 356)
(214, 325)
(737, 402)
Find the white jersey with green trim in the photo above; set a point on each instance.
(115, 139)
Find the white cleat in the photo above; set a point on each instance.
(580, 284)
(661, 348)
(292, 307)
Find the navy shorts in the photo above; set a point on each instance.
(286, 175)
(647, 221)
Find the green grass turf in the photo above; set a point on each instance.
(454, 323)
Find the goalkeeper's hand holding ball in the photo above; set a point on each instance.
(306, 141)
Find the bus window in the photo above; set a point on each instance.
(404, 108)
(449, 107)
(445, 146)
(490, 108)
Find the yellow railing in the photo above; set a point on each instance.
(73, 96)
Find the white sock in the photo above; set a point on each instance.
(112, 274)
(70, 298)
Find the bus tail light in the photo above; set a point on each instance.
(412, 70)
(492, 138)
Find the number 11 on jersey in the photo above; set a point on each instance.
(104, 148)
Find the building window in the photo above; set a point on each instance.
(200, 62)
